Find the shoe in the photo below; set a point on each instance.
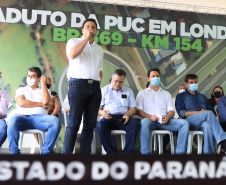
(223, 144)
(115, 149)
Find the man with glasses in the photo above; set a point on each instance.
(117, 106)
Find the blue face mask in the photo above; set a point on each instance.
(155, 81)
(193, 87)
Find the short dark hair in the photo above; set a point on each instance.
(190, 76)
(87, 20)
(152, 69)
(37, 70)
(120, 72)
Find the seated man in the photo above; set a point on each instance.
(117, 106)
(54, 105)
(221, 107)
(4, 103)
(195, 108)
(32, 102)
(155, 106)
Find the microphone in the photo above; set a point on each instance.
(91, 34)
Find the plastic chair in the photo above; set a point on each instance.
(160, 134)
(41, 137)
(93, 144)
(199, 141)
(123, 139)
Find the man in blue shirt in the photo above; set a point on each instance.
(195, 108)
(117, 106)
(221, 107)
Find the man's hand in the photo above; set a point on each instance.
(126, 118)
(44, 106)
(87, 34)
(154, 118)
(43, 80)
(165, 120)
(202, 110)
(106, 114)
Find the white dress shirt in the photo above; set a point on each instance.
(155, 102)
(88, 64)
(31, 95)
(117, 102)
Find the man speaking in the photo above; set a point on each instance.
(85, 73)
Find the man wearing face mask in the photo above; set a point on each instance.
(31, 103)
(196, 109)
(155, 107)
(4, 103)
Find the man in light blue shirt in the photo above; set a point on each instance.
(117, 106)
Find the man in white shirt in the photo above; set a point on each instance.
(155, 106)
(117, 106)
(85, 73)
(31, 103)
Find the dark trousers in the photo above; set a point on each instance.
(105, 126)
(84, 99)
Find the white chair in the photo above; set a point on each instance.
(93, 144)
(199, 135)
(160, 134)
(123, 139)
(41, 137)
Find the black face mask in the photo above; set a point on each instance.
(217, 94)
(48, 86)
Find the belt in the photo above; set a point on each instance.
(89, 81)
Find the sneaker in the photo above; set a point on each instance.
(223, 143)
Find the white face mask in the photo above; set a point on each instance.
(30, 81)
(181, 90)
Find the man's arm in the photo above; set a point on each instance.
(4, 103)
(130, 112)
(101, 75)
(104, 113)
(78, 48)
(56, 107)
(188, 113)
(45, 96)
(142, 114)
(22, 102)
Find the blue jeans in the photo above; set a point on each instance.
(3, 131)
(36, 121)
(84, 100)
(105, 126)
(207, 122)
(175, 125)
